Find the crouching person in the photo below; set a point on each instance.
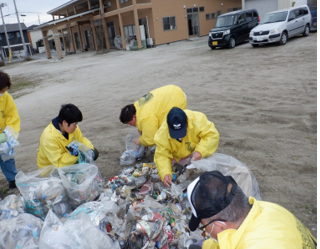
(233, 221)
(9, 117)
(56, 139)
(185, 135)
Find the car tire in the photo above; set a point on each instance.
(213, 48)
(306, 31)
(255, 45)
(284, 38)
(232, 42)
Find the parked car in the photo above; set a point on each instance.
(312, 4)
(279, 26)
(232, 28)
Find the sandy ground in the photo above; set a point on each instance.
(262, 101)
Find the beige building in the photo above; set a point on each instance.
(98, 24)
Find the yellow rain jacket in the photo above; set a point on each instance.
(267, 225)
(52, 149)
(202, 136)
(9, 115)
(152, 110)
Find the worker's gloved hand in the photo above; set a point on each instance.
(73, 149)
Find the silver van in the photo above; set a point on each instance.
(279, 26)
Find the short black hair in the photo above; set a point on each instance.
(69, 113)
(127, 112)
(5, 80)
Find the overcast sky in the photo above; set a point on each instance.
(33, 9)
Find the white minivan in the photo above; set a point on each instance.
(278, 26)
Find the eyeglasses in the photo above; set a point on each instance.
(203, 227)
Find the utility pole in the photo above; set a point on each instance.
(22, 37)
(5, 31)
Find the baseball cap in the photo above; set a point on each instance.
(208, 195)
(177, 123)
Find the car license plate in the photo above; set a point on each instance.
(214, 43)
(260, 38)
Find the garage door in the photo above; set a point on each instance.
(262, 6)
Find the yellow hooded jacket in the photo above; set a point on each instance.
(152, 110)
(202, 136)
(9, 115)
(267, 225)
(52, 148)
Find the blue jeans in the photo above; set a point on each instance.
(9, 169)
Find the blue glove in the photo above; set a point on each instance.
(73, 149)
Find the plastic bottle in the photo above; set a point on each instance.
(60, 209)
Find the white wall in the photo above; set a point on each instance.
(265, 6)
(36, 35)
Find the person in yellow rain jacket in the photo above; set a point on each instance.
(149, 111)
(56, 137)
(184, 133)
(235, 222)
(9, 117)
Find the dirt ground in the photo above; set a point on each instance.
(263, 101)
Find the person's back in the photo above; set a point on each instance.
(149, 111)
(159, 102)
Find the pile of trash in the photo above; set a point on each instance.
(73, 207)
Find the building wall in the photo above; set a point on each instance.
(178, 9)
(262, 6)
(283, 4)
(35, 35)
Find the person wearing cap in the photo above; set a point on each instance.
(53, 148)
(9, 117)
(149, 111)
(234, 221)
(185, 133)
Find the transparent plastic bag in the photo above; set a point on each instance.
(227, 165)
(83, 183)
(132, 151)
(102, 215)
(6, 148)
(20, 232)
(86, 154)
(41, 191)
(11, 206)
(77, 232)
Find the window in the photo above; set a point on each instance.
(18, 34)
(208, 16)
(229, 10)
(195, 9)
(218, 12)
(129, 31)
(189, 10)
(249, 16)
(240, 19)
(213, 15)
(201, 9)
(292, 15)
(305, 10)
(255, 15)
(169, 23)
